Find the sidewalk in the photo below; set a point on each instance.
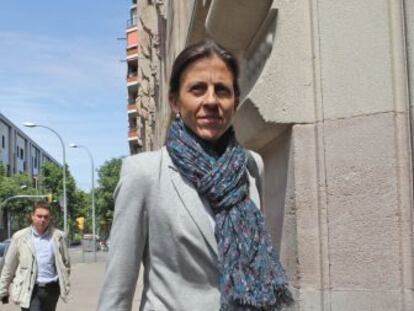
(86, 280)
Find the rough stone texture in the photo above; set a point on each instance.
(149, 73)
(252, 131)
(363, 202)
(409, 27)
(367, 300)
(307, 203)
(341, 300)
(356, 63)
(283, 93)
(238, 32)
(276, 156)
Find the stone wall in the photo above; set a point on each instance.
(327, 102)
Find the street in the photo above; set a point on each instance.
(86, 281)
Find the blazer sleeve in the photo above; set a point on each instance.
(128, 238)
(9, 268)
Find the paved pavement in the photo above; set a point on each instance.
(86, 280)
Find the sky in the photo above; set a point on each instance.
(61, 66)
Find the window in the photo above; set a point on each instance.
(21, 153)
(3, 141)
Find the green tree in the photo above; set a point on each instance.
(18, 184)
(108, 177)
(82, 207)
(51, 181)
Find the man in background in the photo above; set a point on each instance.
(37, 264)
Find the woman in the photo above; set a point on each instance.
(190, 211)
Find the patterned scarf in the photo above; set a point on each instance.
(251, 276)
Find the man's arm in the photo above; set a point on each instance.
(66, 258)
(9, 269)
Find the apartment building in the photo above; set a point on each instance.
(18, 152)
(134, 125)
(141, 72)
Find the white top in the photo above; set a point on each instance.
(45, 257)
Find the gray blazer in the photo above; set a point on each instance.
(161, 221)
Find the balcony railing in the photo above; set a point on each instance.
(132, 108)
(132, 77)
(132, 51)
(132, 100)
(132, 133)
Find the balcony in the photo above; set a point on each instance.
(132, 133)
(132, 52)
(132, 77)
(132, 81)
(135, 146)
(132, 108)
(132, 37)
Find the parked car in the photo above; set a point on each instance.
(3, 250)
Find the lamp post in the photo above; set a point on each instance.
(92, 195)
(65, 209)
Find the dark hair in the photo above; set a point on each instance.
(40, 204)
(194, 52)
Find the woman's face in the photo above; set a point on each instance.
(206, 99)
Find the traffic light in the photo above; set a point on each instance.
(80, 221)
(49, 198)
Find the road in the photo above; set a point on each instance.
(86, 280)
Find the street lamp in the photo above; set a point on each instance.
(92, 195)
(65, 209)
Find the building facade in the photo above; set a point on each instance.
(19, 154)
(327, 101)
(143, 52)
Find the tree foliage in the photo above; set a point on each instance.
(50, 180)
(108, 177)
(17, 184)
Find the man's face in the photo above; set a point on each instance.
(41, 219)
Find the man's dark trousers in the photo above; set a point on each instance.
(44, 298)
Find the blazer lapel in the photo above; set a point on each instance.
(194, 206)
